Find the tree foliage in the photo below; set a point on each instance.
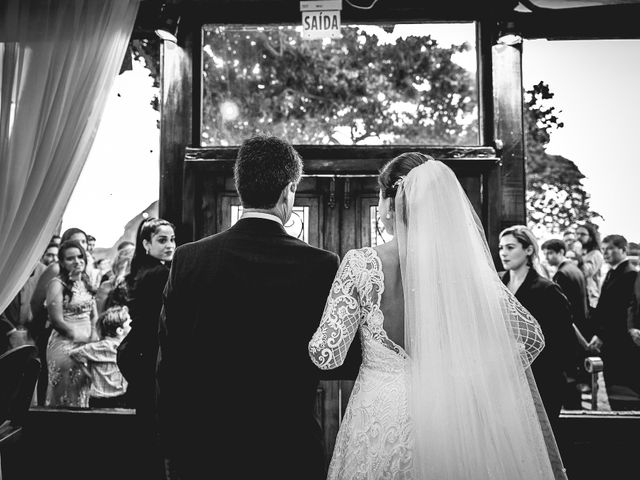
(357, 90)
(556, 198)
(147, 50)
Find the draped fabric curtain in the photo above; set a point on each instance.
(58, 62)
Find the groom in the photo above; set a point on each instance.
(236, 384)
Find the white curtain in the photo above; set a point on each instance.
(58, 62)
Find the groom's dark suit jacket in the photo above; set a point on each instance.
(236, 384)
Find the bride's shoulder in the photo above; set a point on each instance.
(387, 252)
(365, 258)
(359, 253)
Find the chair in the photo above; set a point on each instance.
(19, 370)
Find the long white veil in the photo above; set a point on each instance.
(475, 407)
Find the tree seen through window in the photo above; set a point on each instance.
(371, 87)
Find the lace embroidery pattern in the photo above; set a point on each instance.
(525, 328)
(354, 301)
(375, 438)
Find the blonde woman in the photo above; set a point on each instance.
(113, 290)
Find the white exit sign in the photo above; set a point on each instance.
(321, 19)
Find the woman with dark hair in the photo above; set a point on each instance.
(592, 261)
(72, 313)
(53, 269)
(138, 352)
(40, 327)
(549, 306)
(442, 392)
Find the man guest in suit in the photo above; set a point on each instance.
(633, 318)
(620, 355)
(236, 384)
(572, 282)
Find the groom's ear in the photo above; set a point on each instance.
(286, 191)
(289, 189)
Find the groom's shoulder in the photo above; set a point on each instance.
(315, 253)
(196, 246)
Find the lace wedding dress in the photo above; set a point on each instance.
(459, 401)
(374, 441)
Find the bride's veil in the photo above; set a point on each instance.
(475, 408)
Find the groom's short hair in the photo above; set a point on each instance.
(264, 166)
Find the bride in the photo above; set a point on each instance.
(444, 390)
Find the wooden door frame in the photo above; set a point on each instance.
(500, 128)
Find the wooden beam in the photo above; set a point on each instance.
(507, 91)
(176, 130)
(587, 23)
(318, 152)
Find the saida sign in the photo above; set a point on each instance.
(321, 19)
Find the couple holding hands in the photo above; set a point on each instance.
(252, 314)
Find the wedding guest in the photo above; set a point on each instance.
(93, 269)
(50, 254)
(72, 313)
(633, 318)
(91, 244)
(113, 290)
(592, 261)
(40, 328)
(53, 269)
(103, 265)
(620, 355)
(18, 312)
(15, 321)
(125, 243)
(138, 352)
(571, 280)
(570, 240)
(108, 386)
(549, 306)
(575, 258)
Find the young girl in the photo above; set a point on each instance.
(108, 386)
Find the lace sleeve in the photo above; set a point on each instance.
(526, 329)
(329, 345)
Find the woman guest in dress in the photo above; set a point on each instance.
(138, 352)
(549, 306)
(443, 391)
(72, 313)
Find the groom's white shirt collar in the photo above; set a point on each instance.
(265, 216)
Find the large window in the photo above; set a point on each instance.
(408, 84)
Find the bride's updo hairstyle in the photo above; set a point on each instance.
(394, 171)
